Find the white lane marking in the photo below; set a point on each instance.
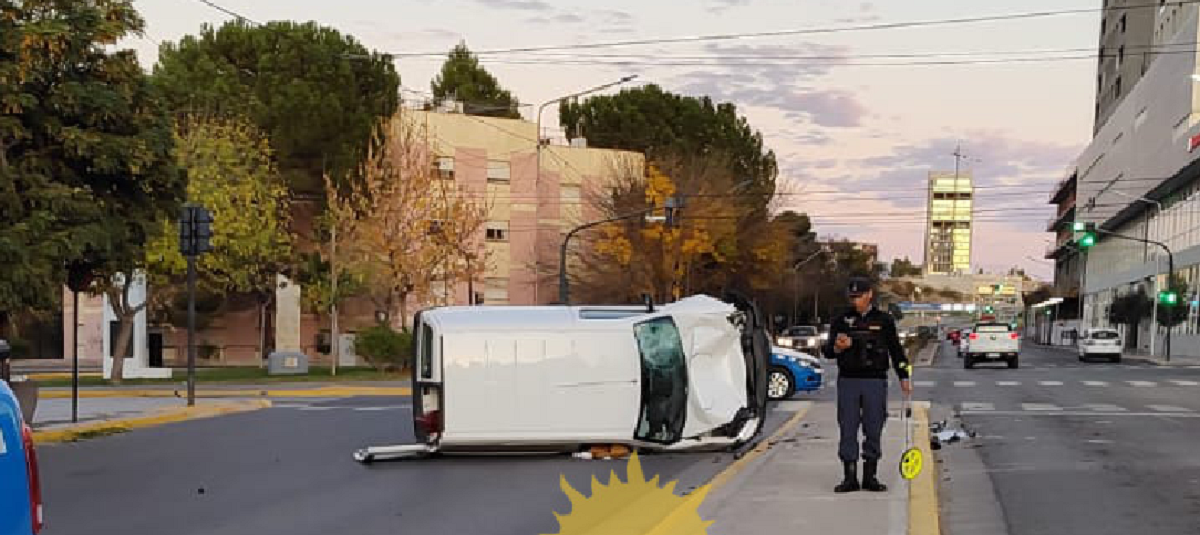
(1096, 383)
(1099, 441)
(1050, 383)
(1184, 383)
(1104, 407)
(925, 384)
(317, 408)
(1167, 408)
(374, 408)
(1193, 367)
(1040, 407)
(964, 383)
(1008, 383)
(1084, 414)
(978, 407)
(1142, 384)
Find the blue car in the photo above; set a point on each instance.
(20, 491)
(791, 371)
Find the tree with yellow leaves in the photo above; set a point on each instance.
(410, 229)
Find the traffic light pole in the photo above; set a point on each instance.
(191, 323)
(1170, 273)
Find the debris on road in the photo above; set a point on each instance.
(940, 434)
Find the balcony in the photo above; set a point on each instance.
(1057, 221)
(1064, 189)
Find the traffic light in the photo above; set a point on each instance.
(1087, 234)
(1168, 298)
(195, 230)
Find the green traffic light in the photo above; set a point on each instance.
(1087, 240)
(1168, 298)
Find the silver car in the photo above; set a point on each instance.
(800, 338)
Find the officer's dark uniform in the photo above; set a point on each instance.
(862, 385)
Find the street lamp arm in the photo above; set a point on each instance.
(563, 284)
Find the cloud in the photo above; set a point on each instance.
(560, 18)
(521, 5)
(717, 6)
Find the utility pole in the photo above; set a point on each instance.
(336, 346)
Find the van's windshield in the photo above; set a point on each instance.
(664, 382)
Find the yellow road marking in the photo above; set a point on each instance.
(923, 516)
(166, 416)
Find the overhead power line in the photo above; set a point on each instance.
(1028, 15)
(229, 12)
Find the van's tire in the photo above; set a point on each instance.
(1013, 363)
(780, 384)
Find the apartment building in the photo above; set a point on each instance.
(1138, 180)
(948, 231)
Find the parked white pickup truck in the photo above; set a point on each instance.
(992, 342)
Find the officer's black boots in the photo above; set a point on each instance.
(849, 479)
(868, 481)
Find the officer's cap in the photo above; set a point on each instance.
(858, 286)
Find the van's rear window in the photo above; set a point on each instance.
(992, 328)
(426, 348)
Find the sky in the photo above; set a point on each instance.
(855, 133)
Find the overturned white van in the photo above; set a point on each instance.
(687, 375)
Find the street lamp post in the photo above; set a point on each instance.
(538, 151)
(564, 287)
(796, 296)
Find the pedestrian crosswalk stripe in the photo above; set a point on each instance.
(1096, 383)
(1184, 383)
(1050, 383)
(978, 407)
(1142, 383)
(925, 384)
(1104, 407)
(964, 383)
(1167, 408)
(1040, 407)
(1008, 383)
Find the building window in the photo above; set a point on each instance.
(1120, 56)
(498, 171)
(497, 231)
(443, 167)
(496, 292)
(1117, 86)
(1124, 21)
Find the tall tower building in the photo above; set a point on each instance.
(1127, 47)
(948, 227)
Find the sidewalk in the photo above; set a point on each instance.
(789, 489)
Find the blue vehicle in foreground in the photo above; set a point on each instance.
(20, 491)
(790, 371)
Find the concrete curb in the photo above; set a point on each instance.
(319, 392)
(732, 470)
(926, 355)
(178, 414)
(923, 516)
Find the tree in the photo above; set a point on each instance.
(464, 80)
(903, 267)
(410, 229)
(1173, 315)
(664, 125)
(1130, 309)
(317, 94)
(231, 172)
(85, 153)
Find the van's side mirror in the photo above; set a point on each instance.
(5, 350)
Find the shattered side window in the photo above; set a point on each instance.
(664, 382)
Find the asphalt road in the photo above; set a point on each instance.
(288, 470)
(1065, 447)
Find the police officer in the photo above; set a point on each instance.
(863, 340)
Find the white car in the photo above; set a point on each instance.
(686, 375)
(1105, 343)
(992, 342)
(801, 338)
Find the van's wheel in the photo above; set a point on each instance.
(780, 384)
(1012, 363)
